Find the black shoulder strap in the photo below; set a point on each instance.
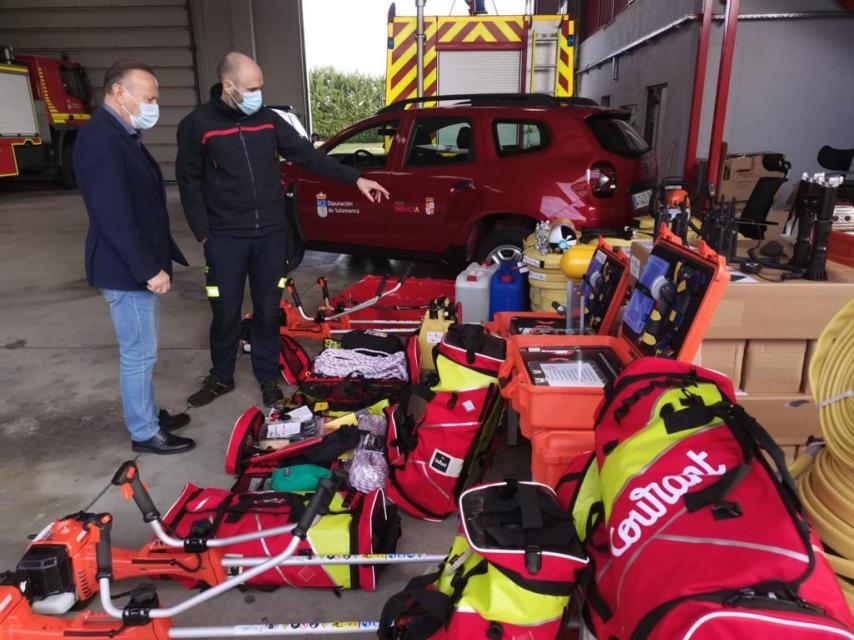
(748, 433)
(405, 421)
(258, 502)
(427, 610)
(528, 519)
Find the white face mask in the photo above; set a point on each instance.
(149, 113)
(252, 101)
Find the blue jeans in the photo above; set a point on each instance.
(136, 317)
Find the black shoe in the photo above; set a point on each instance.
(271, 393)
(164, 443)
(210, 391)
(170, 423)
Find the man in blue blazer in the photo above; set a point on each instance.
(129, 248)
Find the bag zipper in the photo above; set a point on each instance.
(731, 598)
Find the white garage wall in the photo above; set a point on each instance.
(96, 33)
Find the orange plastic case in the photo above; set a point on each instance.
(504, 323)
(552, 417)
(552, 451)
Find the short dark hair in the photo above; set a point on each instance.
(118, 71)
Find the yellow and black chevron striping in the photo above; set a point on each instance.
(460, 32)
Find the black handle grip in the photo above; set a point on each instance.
(319, 505)
(381, 288)
(103, 550)
(463, 185)
(128, 478)
(405, 274)
(291, 286)
(324, 287)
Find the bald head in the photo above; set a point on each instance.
(239, 74)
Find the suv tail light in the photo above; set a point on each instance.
(602, 177)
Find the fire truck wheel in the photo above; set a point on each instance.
(66, 176)
(502, 244)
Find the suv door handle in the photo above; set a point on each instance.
(463, 185)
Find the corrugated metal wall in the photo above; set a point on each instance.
(597, 13)
(96, 33)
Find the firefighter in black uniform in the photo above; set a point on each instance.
(228, 174)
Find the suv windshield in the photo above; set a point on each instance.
(617, 136)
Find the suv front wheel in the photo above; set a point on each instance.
(502, 244)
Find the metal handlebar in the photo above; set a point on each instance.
(319, 503)
(379, 295)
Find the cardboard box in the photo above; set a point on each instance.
(790, 419)
(793, 310)
(726, 356)
(758, 309)
(740, 174)
(774, 366)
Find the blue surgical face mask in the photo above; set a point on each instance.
(148, 114)
(252, 101)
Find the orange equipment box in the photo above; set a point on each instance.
(605, 283)
(552, 451)
(556, 382)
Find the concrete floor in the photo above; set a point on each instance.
(61, 433)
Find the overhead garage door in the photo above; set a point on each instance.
(96, 33)
(479, 72)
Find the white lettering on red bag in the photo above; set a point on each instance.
(652, 501)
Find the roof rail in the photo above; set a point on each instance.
(482, 100)
(578, 101)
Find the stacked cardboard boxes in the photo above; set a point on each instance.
(763, 335)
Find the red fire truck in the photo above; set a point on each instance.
(43, 103)
(481, 53)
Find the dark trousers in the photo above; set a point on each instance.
(229, 261)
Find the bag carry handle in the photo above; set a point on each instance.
(472, 337)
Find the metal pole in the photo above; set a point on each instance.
(277, 630)
(697, 97)
(419, 40)
(311, 561)
(722, 95)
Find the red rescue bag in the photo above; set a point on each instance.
(355, 524)
(509, 574)
(439, 443)
(691, 521)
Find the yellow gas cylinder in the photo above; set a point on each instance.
(574, 261)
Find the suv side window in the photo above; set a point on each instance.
(366, 148)
(519, 136)
(441, 141)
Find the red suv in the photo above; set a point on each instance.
(470, 181)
